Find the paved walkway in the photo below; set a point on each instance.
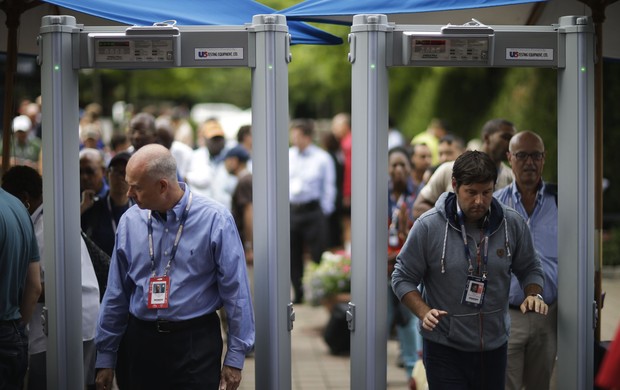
(313, 368)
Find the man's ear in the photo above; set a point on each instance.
(454, 185)
(163, 185)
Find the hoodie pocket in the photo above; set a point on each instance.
(477, 331)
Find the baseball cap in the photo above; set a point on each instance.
(21, 123)
(239, 152)
(212, 128)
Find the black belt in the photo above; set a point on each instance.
(165, 326)
(308, 206)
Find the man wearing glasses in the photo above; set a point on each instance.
(92, 181)
(532, 345)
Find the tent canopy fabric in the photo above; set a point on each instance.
(192, 12)
(325, 10)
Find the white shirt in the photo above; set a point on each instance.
(37, 341)
(210, 178)
(312, 176)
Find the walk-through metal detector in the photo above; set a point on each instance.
(263, 46)
(375, 46)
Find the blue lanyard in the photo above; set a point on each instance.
(176, 240)
(485, 240)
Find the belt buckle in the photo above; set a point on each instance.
(159, 326)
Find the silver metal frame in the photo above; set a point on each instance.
(376, 45)
(65, 50)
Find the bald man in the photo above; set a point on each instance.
(177, 259)
(532, 345)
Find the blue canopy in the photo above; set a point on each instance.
(328, 10)
(192, 12)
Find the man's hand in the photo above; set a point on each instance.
(230, 379)
(535, 304)
(431, 319)
(104, 378)
(87, 201)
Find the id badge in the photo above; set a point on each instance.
(475, 288)
(158, 292)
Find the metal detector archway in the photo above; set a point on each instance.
(376, 45)
(263, 46)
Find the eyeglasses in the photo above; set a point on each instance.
(522, 156)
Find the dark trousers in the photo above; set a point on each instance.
(307, 231)
(13, 355)
(188, 358)
(450, 369)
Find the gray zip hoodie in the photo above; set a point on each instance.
(435, 239)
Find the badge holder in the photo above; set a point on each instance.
(158, 292)
(474, 292)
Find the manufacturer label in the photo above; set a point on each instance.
(529, 54)
(220, 53)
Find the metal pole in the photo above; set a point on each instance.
(368, 309)
(61, 199)
(576, 167)
(274, 311)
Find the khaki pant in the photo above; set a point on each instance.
(532, 349)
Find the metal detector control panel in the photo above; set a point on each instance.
(470, 44)
(448, 48)
(144, 46)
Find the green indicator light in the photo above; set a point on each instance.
(56, 67)
(270, 67)
(583, 69)
(372, 66)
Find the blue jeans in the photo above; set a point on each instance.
(13, 355)
(451, 369)
(406, 330)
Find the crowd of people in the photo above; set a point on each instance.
(471, 252)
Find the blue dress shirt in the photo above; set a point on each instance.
(312, 177)
(208, 272)
(543, 224)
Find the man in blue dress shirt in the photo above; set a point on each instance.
(189, 246)
(312, 191)
(532, 345)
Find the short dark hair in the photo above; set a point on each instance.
(306, 126)
(474, 167)
(401, 149)
(20, 179)
(244, 131)
(495, 125)
(453, 139)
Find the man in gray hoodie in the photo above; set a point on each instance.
(463, 252)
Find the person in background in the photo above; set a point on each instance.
(20, 288)
(420, 162)
(142, 131)
(244, 138)
(207, 174)
(496, 134)
(463, 251)
(436, 130)
(533, 343)
(119, 143)
(188, 245)
(341, 128)
(395, 137)
(450, 147)
(180, 151)
(25, 148)
(400, 221)
(26, 184)
(99, 222)
(334, 234)
(93, 185)
(312, 191)
(242, 211)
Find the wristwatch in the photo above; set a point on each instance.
(538, 296)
